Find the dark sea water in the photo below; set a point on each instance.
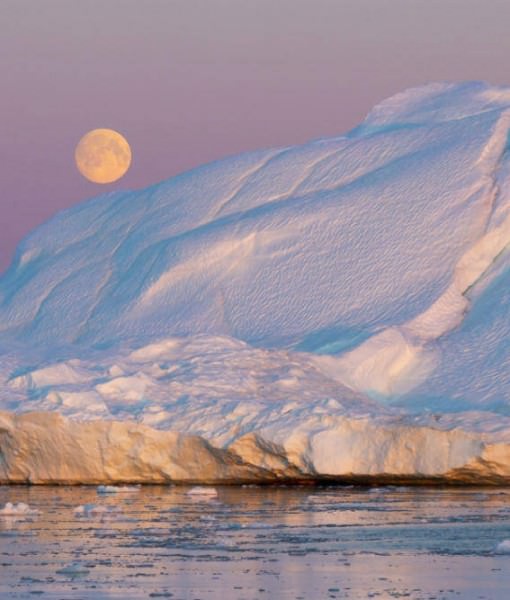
(256, 542)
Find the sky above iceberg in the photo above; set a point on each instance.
(191, 81)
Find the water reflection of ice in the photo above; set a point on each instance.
(235, 542)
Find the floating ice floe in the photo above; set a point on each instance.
(94, 510)
(503, 547)
(203, 493)
(118, 489)
(17, 510)
(74, 569)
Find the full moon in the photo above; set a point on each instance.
(103, 155)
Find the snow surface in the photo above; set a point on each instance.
(319, 298)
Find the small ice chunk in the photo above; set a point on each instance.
(203, 493)
(94, 510)
(117, 489)
(74, 568)
(260, 526)
(145, 531)
(503, 547)
(17, 510)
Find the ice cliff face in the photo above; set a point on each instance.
(334, 308)
(48, 448)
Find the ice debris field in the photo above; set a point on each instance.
(336, 309)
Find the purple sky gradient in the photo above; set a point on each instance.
(188, 81)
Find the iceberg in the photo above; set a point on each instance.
(336, 310)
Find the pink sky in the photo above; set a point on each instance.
(188, 81)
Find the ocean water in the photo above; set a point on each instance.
(255, 543)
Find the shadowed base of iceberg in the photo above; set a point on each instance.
(47, 448)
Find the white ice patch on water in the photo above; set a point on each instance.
(203, 493)
(95, 511)
(74, 569)
(17, 510)
(117, 489)
(503, 547)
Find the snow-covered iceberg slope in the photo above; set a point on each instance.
(339, 308)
